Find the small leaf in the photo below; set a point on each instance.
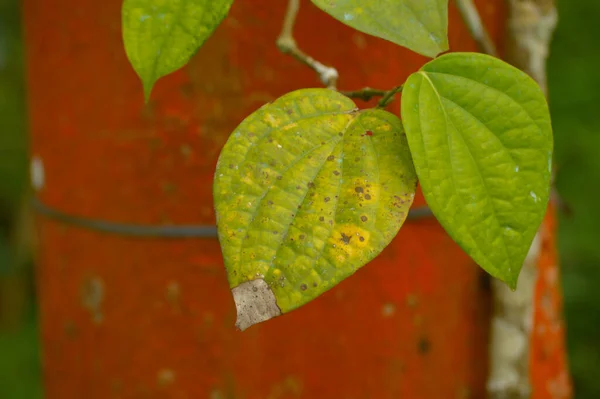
(420, 25)
(307, 190)
(480, 134)
(161, 36)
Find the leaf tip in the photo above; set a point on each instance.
(254, 302)
(148, 86)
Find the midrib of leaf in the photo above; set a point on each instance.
(499, 92)
(266, 134)
(262, 197)
(164, 41)
(331, 228)
(482, 180)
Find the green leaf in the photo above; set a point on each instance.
(480, 134)
(420, 25)
(161, 36)
(307, 190)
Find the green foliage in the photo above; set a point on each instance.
(420, 25)
(480, 134)
(160, 36)
(307, 190)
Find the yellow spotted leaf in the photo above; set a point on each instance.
(307, 190)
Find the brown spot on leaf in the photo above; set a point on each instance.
(364, 218)
(303, 287)
(346, 239)
(359, 189)
(330, 158)
(327, 199)
(335, 172)
(367, 197)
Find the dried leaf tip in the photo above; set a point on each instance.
(255, 303)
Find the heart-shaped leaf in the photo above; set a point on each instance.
(160, 36)
(480, 134)
(420, 25)
(307, 190)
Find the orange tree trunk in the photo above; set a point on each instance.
(126, 317)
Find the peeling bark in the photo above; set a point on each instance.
(531, 24)
(511, 328)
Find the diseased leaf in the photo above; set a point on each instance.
(161, 36)
(307, 190)
(420, 25)
(480, 134)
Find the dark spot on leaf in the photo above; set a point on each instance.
(327, 199)
(302, 236)
(335, 172)
(359, 189)
(424, 345)
(298, 187)
(279, 177)
(346, 239)
(367, 197)
(321, 219)
(311, 185)
(330, 158)
(314, 284)
(289, 111)
(361, 239)
(364, 218)
(303, 287)
(341, 134)
(369, 133)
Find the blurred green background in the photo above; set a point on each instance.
(574, 75)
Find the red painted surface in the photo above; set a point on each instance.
(149, 318)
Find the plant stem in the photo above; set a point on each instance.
(287, 45)
(472, 19)
(389, 96)
(365, 94)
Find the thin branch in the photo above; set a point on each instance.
(365, 94)
(287, 45)
(389, 97)
(472, 19)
